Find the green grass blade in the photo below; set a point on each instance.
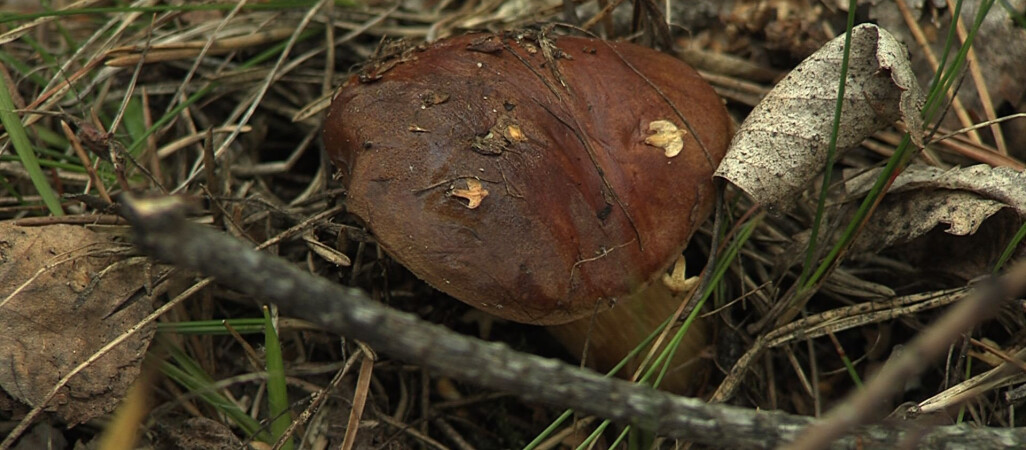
(1019, 17)
(191, 376)
(1010, 248)
(662, 362)
(20, 67)
(277, 389)
(19, 139)
(133, 122)
(935, 93)
(213, 327)
(810, 253)
(5, 185)
(903, 154)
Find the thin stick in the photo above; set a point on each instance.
(163, 231)
(869, 403)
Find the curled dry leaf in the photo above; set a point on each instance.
(969, 201)
(80, 299)
(783, 144)
(1003, 184)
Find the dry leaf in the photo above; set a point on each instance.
(904, 217)
(782, 145)
(1003, 184)
(955, 221)
(78, 301)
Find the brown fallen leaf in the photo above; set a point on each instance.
(782, 145)
(64, 293)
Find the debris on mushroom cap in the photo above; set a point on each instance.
(474, 193)
(579, 207)
(666, 136)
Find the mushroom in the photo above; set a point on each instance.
(539, 178)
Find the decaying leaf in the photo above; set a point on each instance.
(934, 206)
(907, 216)
(63, 295)
(1003, 184)
(782, 145)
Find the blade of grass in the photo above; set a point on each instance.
(213, 327)
(19, 139)
(717, 276)
(1010, 248)
(933, 99)
(1018, 16)
(901, 157)
(140, 141)
(661, 363)
(277, 389)
(185, 7)
(623, 362)
(133, 121)
(41, 51)
(848, 364)
(810, 253)
(952, 74)
(51, 138)
(191, 376)
(49, 163)
(24, 69)
(10, 189)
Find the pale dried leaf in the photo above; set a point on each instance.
(1003, 184)
(78, 303)
(908, 216)
(978, 209)
(782, 145)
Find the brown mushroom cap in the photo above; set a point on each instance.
(530, 177)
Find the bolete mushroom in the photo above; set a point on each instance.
(539, 178)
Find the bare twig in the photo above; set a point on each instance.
(163, 232)
(868, 404)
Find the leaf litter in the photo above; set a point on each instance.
(782, 146)
(64, 294)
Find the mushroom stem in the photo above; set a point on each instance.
(610, 335)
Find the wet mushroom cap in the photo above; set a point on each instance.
(534, 177)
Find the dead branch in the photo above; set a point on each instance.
(163, 232)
